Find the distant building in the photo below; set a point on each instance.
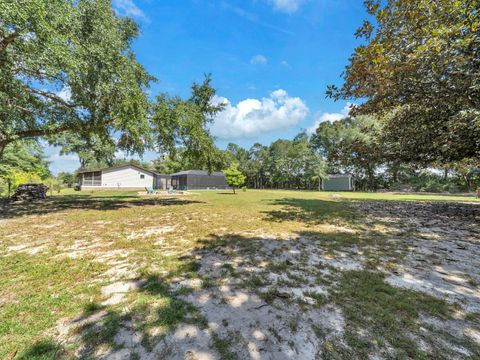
(198, 180)
(338, 183)
(135, 177)
(127, 176)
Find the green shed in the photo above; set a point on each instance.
(338, 183)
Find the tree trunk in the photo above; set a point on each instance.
(370, 179)
(234, 189)
(3, 144)
(395, 174)
(467, 183)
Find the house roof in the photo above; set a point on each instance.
(120, 167)
(198, 172)
(185, 172)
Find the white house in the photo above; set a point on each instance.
(127, 176)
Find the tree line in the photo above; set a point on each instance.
(287, 164)
(353, 145)
(69, 76)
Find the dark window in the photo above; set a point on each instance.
(142, 176)
(92, 178)
(97, 178)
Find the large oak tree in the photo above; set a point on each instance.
(68, 66)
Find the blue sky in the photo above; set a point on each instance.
(271, 60)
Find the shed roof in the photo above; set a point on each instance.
(338, 176)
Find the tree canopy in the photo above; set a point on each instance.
(419, 71)
(68, 74)
(68, 66)
(351, 145)
(24, 156)
(234, 177)
(183, 123)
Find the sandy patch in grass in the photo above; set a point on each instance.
(115, 293)
(166, 194)
(261, 331)
(187, 342)
(151, 231)
(442, 248)
(261, 314)
(266, 295)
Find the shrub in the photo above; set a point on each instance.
(427, 182)
(54, 185)
(17, 178)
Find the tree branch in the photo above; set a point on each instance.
(50, 96)
(36, 73)
(41, 132)
(8, 39)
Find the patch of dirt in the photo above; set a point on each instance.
(443, 248)
(262, 331)
(115, 293)
(268, 297)
(150, 231)
(119, 269)
(280, 328)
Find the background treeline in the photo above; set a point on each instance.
(354, 146)
(287, 164)
(69, 76)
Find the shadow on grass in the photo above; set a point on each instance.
(423, 209)
(134, 332)
(84, 202)
(44, 349)
(377, 318)
(312, 211)
(316, 211)
(169, 321)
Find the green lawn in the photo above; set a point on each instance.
(58, 256)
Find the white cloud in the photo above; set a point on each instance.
(285, 63)
(288, 6)
(128, 8)
(254, 18)
(322, 117)
(258, 60)
(65, 94)
(252, 117)
(122, 155)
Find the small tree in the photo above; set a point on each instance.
(54, 185)
(234, 177)
(66, 178)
